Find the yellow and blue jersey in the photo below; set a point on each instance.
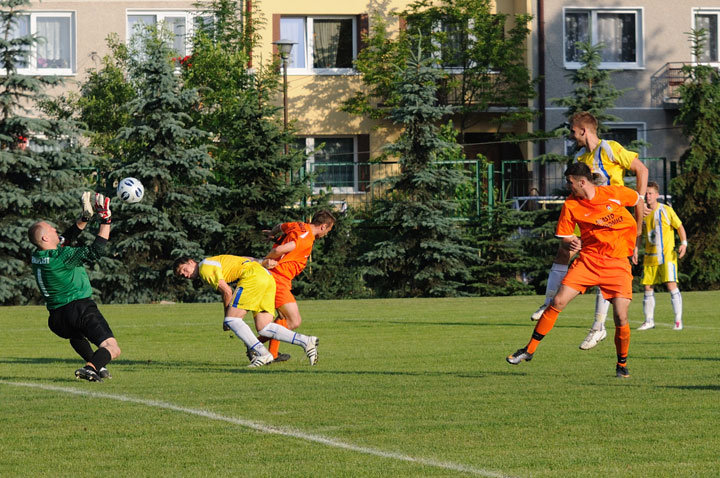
(659, 231)
(609, 159)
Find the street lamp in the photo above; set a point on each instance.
(284, 49)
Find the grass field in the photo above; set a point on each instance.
(402, 388)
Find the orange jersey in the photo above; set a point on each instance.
(606, 227)
(293, 263)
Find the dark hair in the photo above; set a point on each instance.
(653, 184)
(579, 170)
(179, 262)
(323, 217)
(585, 119)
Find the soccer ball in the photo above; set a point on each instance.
(130, 190)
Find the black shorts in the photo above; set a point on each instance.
(80, 318)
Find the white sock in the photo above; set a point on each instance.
(676, 301)
(649, 306)
(245, 333)
(278, 332)
(555, 276)
(601, 310)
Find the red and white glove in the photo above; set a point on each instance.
(102, 207)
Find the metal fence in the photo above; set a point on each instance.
(358, 185)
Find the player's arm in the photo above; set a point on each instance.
(276, 253)
(642, 174)
(226, 292)
(571, 243)
(683, 241)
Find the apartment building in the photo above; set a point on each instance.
(645, 43)
(327, 36)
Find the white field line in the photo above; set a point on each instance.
(262, 428)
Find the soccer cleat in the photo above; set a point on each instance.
(647, 325)
(678, 325)
(521, 355)
(282, 358)
(260, 360)
(251, 354)
(311, 350)
(538, 313)
(621, 371)
(87, 374)
(104, 373)
(593, 338)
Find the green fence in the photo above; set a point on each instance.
(528, 185)
(359, 184)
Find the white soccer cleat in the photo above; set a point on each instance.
(538, 313)
(593, 338)
(678, 325)
(260, 360)
(649, 325)
(311, 350)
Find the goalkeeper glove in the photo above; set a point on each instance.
(102, 207)
(87, 207)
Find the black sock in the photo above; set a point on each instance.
(100, 358)
(82, 347)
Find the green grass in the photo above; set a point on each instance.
(424, 378)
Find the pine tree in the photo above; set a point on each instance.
(43, 167)
(260, 180)
(162, 149)
(423, 254)
(696, 191)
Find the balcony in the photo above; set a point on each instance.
(665, 85)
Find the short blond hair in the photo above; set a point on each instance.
(584, 119)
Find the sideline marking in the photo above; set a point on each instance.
(257, 426)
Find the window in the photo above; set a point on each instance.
(619, 31)
(449, 40)
(708, 20)
(322, 44)
(181, 24)
(54, 52)
(340, 164)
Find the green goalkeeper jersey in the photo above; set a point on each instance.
(60, 273)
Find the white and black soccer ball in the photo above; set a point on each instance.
(130, 190)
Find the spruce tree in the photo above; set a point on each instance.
(261, 183)
(696, 191)
(43, 167)
(162, 149)
(423, 253)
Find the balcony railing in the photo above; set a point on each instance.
(665, 85)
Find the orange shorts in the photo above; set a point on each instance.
(282, 291)
(612, 274)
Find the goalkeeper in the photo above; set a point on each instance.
(61, 277)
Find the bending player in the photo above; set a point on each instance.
(255, 292)
(607, 238)
(292, 248)
(608, 161)
(660, 259)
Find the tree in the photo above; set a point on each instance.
(696, 191)
(423, 253)
(161, 147)
(43, 166)
(261, 183)
(482, 54)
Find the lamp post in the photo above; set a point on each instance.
(284, 49)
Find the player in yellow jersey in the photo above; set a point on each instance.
(660, 260)
(255, 292)
(608, 161)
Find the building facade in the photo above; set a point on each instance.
(645, 43)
